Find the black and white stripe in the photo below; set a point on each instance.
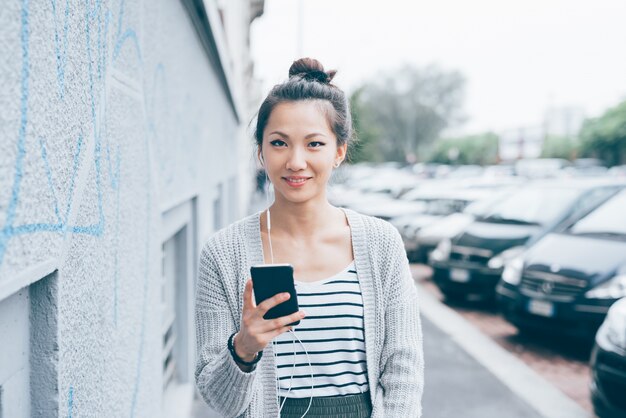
(333, 335)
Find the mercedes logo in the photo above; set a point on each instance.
(547, 287)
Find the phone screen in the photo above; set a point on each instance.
(271, 279)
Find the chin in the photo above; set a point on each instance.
(296, 197)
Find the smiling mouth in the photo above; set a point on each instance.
(296, 181)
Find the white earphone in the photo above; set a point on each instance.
(295, 337)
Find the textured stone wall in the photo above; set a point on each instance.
(110, 113)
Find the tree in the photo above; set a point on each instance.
(399, 113)
(364, 148)
(474, 149)
(605, 137)
(559, 147)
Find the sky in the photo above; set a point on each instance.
(519, 58)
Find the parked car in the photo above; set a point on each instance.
(428, 237)
(608, 364)
(473, 261)
(618, 171)
(540, 168)
(434, 206)
(411, 202)
(567, 281)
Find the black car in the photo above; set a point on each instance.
(608, 365)
(473, 261)
(566, 282)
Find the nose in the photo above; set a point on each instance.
(296, 160)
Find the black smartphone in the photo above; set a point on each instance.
(271, 279)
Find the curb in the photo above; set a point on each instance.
(529, 386)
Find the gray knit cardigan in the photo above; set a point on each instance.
(393, 333)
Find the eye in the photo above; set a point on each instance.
(277, 142)
(321, 144)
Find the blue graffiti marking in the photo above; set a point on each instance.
(60, 51)
(70, 402)
(128, 35)
(145, 280)
(99, 22)
(44, 157)
(21, 150)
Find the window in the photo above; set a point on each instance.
(168, 300)
(232, 199)
(217, 208)
(28, 365)
(177, 291)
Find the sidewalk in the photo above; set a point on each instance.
(456, 385)
(468, 375)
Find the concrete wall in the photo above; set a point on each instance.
(111, 114)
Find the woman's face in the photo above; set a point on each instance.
(300, 150)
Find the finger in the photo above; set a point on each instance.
(248, 301)
(269, 303)
(272, 324)
(273, 334)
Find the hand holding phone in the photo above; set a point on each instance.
(271, 279)
(256, 331)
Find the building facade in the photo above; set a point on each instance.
(123, 146)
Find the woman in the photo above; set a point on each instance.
(357, 351)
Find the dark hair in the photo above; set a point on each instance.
(308, 81)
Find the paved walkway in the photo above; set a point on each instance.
(456, 385)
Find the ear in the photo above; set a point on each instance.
(259, 155)
(341, 153)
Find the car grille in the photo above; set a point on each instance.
(551, 285)
(469, 255)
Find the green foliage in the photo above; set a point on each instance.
(560, 147)
(364, 148)
(400, 112)
(475, 149)
(605, 137)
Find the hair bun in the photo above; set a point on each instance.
(311, 69)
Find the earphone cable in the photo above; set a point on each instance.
(269, 237)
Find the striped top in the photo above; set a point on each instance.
(333, 335)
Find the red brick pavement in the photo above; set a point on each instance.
(561, 362)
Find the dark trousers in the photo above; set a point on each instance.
(350, 406)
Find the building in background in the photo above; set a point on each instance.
(123, 146)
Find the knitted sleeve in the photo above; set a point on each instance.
(223, 385)
(402, 360)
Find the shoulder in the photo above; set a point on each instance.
(228, 240)
(377, 232)
(380, 237)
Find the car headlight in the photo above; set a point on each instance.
(442, 252)
(512, 273)
(613, 329)
(498, 261)
(612, 289)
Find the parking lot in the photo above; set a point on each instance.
(532, 254)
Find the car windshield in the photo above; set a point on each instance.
(443, 207)
(481, 207)
(420, 206)
(533, 205)
(608, 220)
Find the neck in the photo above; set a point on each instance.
(301, 219)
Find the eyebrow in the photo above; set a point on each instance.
(306, 137)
